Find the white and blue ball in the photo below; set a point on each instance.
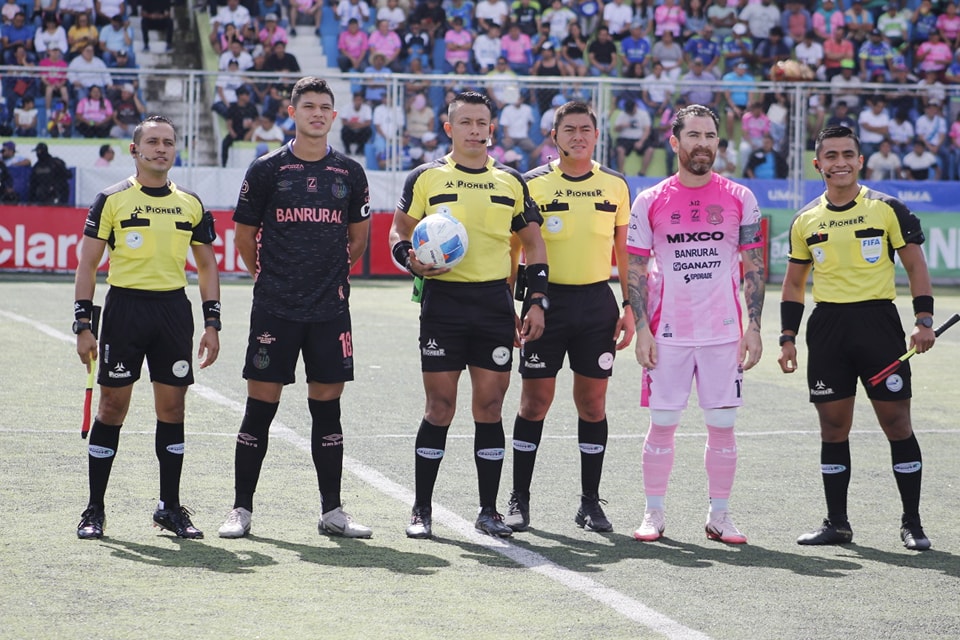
(441, 240)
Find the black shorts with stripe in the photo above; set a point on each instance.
(138, 324)
(856, 340)
(466, 323)
(581, 322)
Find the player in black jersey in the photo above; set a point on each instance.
(147, 223)
(302, 220)
(467, 316)
(848, 237)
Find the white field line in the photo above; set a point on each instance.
(628, 607)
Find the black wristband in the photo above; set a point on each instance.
(82, 309)
(791, 313)
(625, 304)
(784, 339)
(401, 253)
(211, 309)
(537, 277)
(923, 304)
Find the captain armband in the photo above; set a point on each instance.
(401, 254)
(791, 313)
(205, 232)
(537, 277)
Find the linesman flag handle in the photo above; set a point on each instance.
(891, 368)
(91, 375)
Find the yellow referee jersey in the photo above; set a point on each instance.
(490, 202)
(579, 218)
(852, 247)
(148, 231)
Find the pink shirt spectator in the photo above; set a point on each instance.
(694, 249)
(955, 134)
(92, 110)
(949, 25)
(279, 35)
(669, 18)
(823, 26)
(389, 45)
(48, 73)
(353, 44)
(754, 128)
(462, 38)
(935, 56)
(515, 51)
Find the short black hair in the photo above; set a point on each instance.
(310, 84)
(471, 97)
(154, 119)
(836, 132)
(692, 111)
(571, 108)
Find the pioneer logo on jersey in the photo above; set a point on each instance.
(695, 236)
(310, 214)
(595, 193)
(431, 349)
(557, 194)
(119, 372)
(714, 214)
(466, 184)
(845, 223)
(449, 184)
(173, 211)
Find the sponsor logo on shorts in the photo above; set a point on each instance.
(894, 383)
(520, 445)
(175, 449)
(605, 361)
(591, 448)
(260, 359)
(534, 362)
(490, 454)
(432, 350)
(119, 372)
(266, 338)
(501, 355)
(820, 389)
(99, 452)
(180, 368)
(429, 454)
(134, 240)
(908, 467)
(832, 469)
(332, 440)
(247, 440)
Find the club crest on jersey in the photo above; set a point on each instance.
(714, 214)
(871, 249)
(339, 189)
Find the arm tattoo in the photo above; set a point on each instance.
(754, 286)
(637, 288)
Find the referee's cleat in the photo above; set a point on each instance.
(654, 522)
(828, 533)
(92, 521)
(237, 524)
(720, 527)
(590, 515)
(518, 512)
(340, 523)
(912, 534)
(177, 520)
(421, 522)
(491, 523)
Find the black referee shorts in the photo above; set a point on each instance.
(156, 325)
(850, 341)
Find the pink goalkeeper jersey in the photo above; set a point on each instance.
(694, 237)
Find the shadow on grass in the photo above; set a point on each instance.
(188, 553)
(931, 560)
(361, 554)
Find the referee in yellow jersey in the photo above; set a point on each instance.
(585, 207)
(467, 316)
(147, 223)
(849, 237)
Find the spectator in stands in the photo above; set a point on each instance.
(87, 70)
(670, 17)
(94, 114)
(417, 43)
(771, 51)
(725, 162)
(526, 14)
(491, 12)
(901, 133)
(51, 36)
(737, 47)
(933, 55)
(25, 118)
(220, 41)
(656, 90)
(859, 23)
(123, 71)
(846, 86)
(696, 19)
(59, 120)
(347, 10)
(884, 164)
(265, 8)
(352, 45)
(760, 18)
(516, 120)
(502, 85)
(921, 163)
(948, 25)
(267, 131)
(459, 43)
(617, 17)
(314, 9)
(70, 10)
(419, 81)
(827, 20)
(387, 126)
(396, 17)
(841, 116)
(22, 82)
(952, 73)
(432, 149)
(923, 23)
(375, 88)
(105, 157)
(754, 127)
(722, 15)
(602, 54)
(356, 120)
(8, 193)
(635, 48)
(81, 34)
(420, 118)
(388, 44)
(279, 61)
(432, 18)
(809, 51)
(894, 24)
(559, 17)
(836, 50)
(931, 89)
(795, 21)
(874, 125)
(549, 65)
(10, 156)
(105, 10)
(156, 15)
(953, 169)
(235, 51)
(128, 112)
(573, 48)
(633, 129)
(241, 117)
(17, 34)
(285, 121)
(700, 45)
(8, 10)
(233, 13)
(766, 163)
(699, 87)
(486, 49)
(49, 178)
(900, 92)
(114, 37)
(272, 32)
(670, 54)
(932, 129)
(516, 47)
(738, 95)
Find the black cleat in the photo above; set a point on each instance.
(590, 515)
(177, 520)
(828, 533)
(491, 523)
(92, 521)
(912, 534)
(518, 512)
(421, 523)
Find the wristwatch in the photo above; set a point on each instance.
(215, 323)
(925, 321)
(79, 326)
(541, 301)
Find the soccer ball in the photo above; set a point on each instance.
(440, 239)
